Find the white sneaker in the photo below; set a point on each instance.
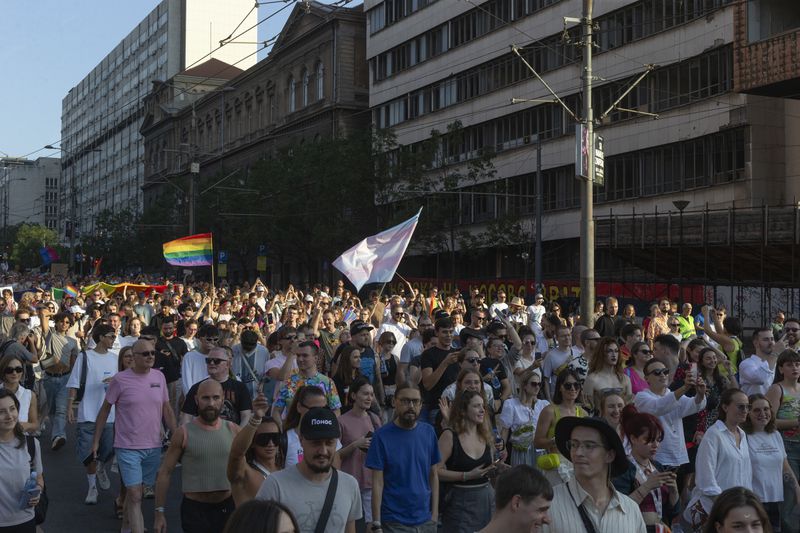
(102, 476)
(91, 496)
(114, 467)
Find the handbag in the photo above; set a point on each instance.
(328, 505)
(40, 511)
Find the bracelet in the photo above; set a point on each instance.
(463, 476)
(160, 510)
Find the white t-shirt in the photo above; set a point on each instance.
(277, 361)
(401, 333)
(766, 455)
(127, 341)
(193, 369)
(553, 359)
(535, 314)
(101, 367)
(500, 307)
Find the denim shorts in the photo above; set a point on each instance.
(137, 467)
(85, 435)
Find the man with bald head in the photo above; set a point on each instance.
(139, 396)
(201, 445)
(236, 400)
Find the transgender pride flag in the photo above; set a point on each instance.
(376, 258)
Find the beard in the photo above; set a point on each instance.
(407, 418)
(319, 469)
(209, 414)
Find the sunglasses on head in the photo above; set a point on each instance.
(11, 369)
(263, 439)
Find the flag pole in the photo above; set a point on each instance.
(212, 262)
(380, 293)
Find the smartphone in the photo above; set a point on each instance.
(693, 371)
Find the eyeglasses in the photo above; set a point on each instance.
(743, 407)
(793, 330)
(389, 342)
(409, 401)
(572, 385)
(263, 439)
(473, 360)
(589, 446)
(11, 369)
(214, 360)
(659, 372)
(149, 353)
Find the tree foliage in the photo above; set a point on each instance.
(30, 238)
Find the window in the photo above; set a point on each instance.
(305, 87)
(292, 95)
(320, 75)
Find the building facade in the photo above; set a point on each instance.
(102, 150)
(312, 85)
(29, 191)
(433, 63)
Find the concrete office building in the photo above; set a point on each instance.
(29, 191)
(433, 62)
(102, 150)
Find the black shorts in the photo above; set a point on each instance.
(200, 517)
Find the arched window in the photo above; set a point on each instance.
(320, 81)
(292, 96)
(305, 87)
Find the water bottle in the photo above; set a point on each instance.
(31, 490)
(497, 441)
(495, 379)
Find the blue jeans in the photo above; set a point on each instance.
(395, 527)
(56, 388)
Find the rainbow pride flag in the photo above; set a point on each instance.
(71, 290)
(194, 250)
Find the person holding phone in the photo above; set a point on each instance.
(467, 463)
(358, 425)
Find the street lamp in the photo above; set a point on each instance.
(680, 205)
(73, 199)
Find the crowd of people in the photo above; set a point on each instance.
(313, 411)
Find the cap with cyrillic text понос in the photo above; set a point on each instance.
(319, 423)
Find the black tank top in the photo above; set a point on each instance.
(459, 461)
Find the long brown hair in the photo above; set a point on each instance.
(598, 361)
(458, 415)
(18, 433)
(344, 371)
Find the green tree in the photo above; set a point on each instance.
(30, 238)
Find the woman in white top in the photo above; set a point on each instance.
(520, 416)
(768, 457)
(527, 357)
(12, 369)
(670, 407)
(131, 332)
(723, 458)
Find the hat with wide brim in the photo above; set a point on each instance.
(564, 429)
(517, 301)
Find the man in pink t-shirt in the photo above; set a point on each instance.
(141, 401)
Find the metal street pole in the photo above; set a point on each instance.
(587, 207)
(538, 282)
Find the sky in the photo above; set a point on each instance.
(48, 46)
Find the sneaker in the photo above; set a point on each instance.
(149, 493)
(102, 477)
(57, 443)
(91, 496)
(114, 467)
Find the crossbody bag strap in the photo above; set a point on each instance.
(587, 522)
(328, 505)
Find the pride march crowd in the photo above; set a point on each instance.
(309, 409)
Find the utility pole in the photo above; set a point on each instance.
(538, 282)
(587, 207)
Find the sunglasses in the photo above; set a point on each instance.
(263, 439)
(11, 369)
(473, 360)
(572, 386)
(290, 338)
(148, 353)
(659, 372)
(211, 339)
(214, 360)
(390, 342)
(534, 383)
(794, 330)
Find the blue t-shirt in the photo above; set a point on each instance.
(368, 364)
(405, 457)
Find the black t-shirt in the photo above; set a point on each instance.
(169, 354)
(489, 363)
(432, 358)
(237, 399)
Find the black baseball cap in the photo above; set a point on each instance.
(358, 326)
(319, 423)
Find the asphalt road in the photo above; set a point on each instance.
(65, 478)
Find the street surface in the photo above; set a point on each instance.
(65, 478)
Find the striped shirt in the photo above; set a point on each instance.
(621, 513)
